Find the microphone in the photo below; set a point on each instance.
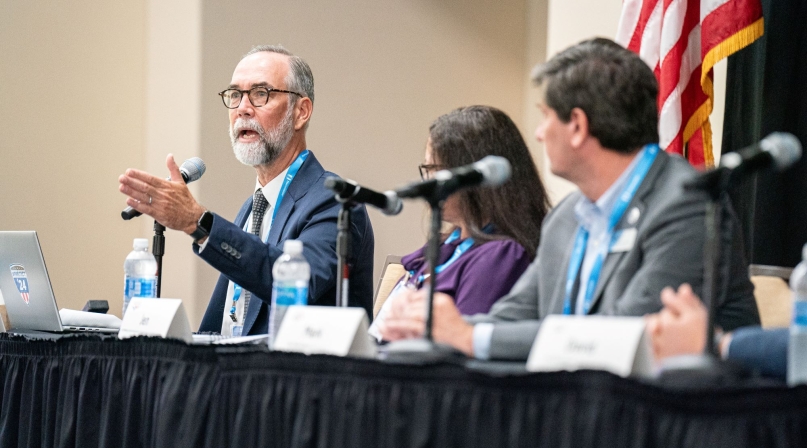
(781, 149)
(490, 171)
(347, 190)
(191, 170)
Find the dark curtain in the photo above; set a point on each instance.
(767, 92)
(83, 392)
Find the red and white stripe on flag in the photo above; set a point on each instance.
(681, 40)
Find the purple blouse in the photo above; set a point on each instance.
(478, 278)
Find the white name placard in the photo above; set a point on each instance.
(325, 330)
(614, 344)
(165, 318)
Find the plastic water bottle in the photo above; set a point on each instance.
(797, 346)
(291, 274)
(140, 273)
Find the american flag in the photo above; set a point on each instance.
(681, 40)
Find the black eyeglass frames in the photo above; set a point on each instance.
(258, 96)
(426, 169)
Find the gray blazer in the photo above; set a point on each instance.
(668, 252)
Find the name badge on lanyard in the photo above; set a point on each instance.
(581, 240)
(237, 289)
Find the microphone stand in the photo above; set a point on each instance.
(158, 250)
(708, 369)
(343, 252)
(424, 350)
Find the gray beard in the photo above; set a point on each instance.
(270, 143)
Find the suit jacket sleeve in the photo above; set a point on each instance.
(515, 316)
(244, 258)
(761, 350)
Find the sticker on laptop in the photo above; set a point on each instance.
(21, 280)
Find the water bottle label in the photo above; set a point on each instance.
(800, 312)
(140, 287)
(290, 295)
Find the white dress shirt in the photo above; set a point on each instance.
(270, 192)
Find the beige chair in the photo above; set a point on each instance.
(3, 318)
(392, 271)
(772, 293)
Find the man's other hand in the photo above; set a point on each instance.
(167, 201)
(407, 319)
(680, 327)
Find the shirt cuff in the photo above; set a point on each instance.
(204, 244)
(483, 333)
(725, 351)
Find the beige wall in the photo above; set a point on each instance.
(71, 120)
(173, 125)
(384, 71)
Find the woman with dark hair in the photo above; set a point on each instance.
(496, 230)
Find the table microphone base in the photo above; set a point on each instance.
(696, 371)
(419, 351)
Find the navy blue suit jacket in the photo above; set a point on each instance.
(308, 212)
(761, 350)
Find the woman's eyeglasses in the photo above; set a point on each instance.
(426, 170)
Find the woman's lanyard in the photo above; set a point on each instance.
(237, 289)
(461, 249)
(637, 176)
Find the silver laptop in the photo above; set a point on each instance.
(26, 287)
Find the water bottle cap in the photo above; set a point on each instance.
(293, 247)
(140, 243)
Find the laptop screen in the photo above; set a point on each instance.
(25, 285)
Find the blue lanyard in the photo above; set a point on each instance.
(461, 249)
(637, 176)
(298, 162)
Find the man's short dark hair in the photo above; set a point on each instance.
(612, 85)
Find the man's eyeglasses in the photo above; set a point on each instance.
(258, 96)
(426, 170)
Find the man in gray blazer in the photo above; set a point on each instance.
(610, 248)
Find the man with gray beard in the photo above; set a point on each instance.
(270, 100)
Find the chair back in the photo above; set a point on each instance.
(393, 270)
(772, 294)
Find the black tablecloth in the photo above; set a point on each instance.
(88, 392)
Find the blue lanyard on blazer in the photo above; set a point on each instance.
(461, 249)
(636, 178)
(298, 162)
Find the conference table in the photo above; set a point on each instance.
(93, 391)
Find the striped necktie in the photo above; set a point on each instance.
(259, 206)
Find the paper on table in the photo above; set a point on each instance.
(75, 318)
(252, 339)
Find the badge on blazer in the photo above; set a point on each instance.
(633, 215)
